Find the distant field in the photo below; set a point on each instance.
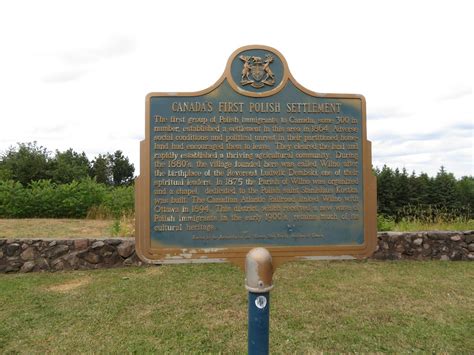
(55, 228)
(353, 306)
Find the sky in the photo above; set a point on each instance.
(74, 74)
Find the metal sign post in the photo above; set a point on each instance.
(258, 281)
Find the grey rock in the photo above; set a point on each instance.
(409, 252)
(58, 264)
(2, 241)
(72, 260)
(28, 266)
(13, 268)
(97, 245)
(113, 241)
(436, 235)
(91, 258)
(112, 259)
(28, 254)
(394, 236)
(470, 247)
(42, 264)
(58, 251)
(444, 257)
(12, 248)
(455, 238)
(400, 248)
(126, 249)
(470, 256)
(385, 246)
(129, 261)
(53, 243)
(469, 238)
(418, 241)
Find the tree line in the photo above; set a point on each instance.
(28, 162)
(35, 183)
(400, 195)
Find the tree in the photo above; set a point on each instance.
(101, 169)
(122, 170)
(402, 188)
(26, 163)
(69, 166)
(444, 189)
(386, 191)
(425, 189)
(465, 195)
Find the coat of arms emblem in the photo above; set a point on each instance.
(256, 71)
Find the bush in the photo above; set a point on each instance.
(45, 199)
(78, 197)
(119, 201)
(13, 199)
(384, 223)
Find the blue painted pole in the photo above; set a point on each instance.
(258, 282)
(259, 323)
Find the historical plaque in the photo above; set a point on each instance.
(255, 160)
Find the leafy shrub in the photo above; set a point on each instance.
(13, 199)
(384, 223)
(45, 199)
(119, 201)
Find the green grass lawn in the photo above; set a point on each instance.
(351, 306)
(64, 228)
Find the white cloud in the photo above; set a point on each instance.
(63, 77)
(411, 60)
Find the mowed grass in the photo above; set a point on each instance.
(55, 228)
(351, 306)
(416, 226)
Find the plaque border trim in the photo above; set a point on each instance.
(236, 255)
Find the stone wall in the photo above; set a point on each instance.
(425, 246)
(25, 255)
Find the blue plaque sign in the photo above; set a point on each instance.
(254, 160)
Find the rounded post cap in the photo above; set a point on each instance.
(258, 270)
